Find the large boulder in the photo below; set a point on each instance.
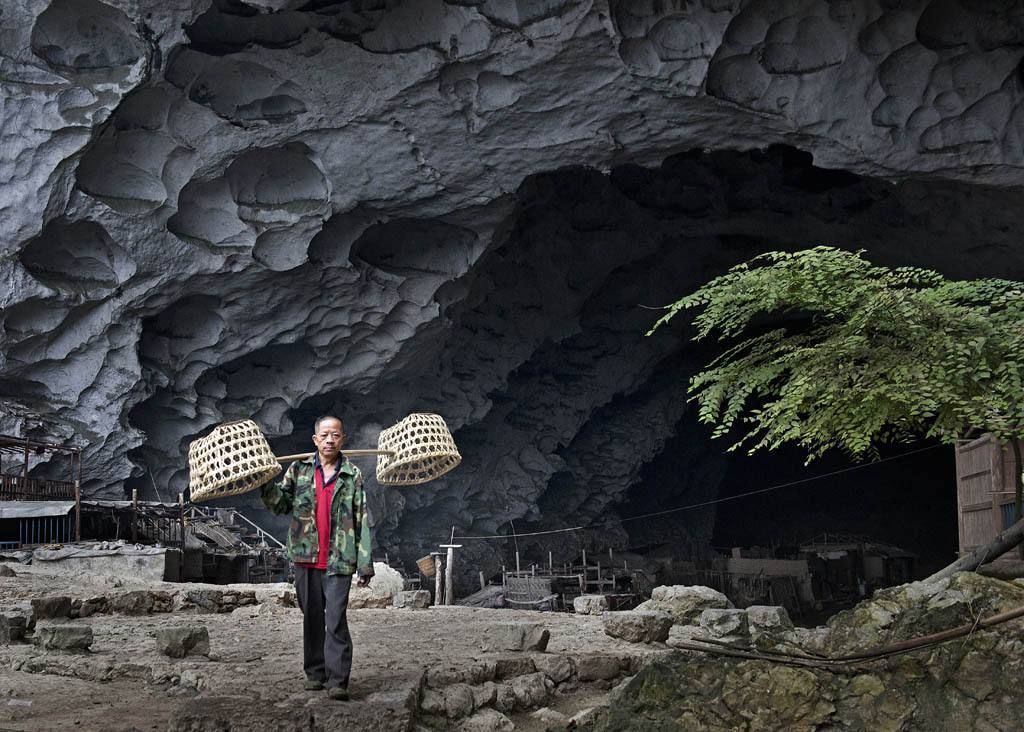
(54, 606)
(684, 603)
(412, 599)
(12, 627)
(64, 637)
(590, 604)
(386, 583)
(486, 720)
(637, 626)
(725, 622)
(516, 637)
(185, 640)
(968, 684)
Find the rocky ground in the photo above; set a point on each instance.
(96, 653)
(426, 667)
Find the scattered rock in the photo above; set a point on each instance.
(683, 602)
(555, 667)
(47, 608)
(12, 628)
(412, 599)
(516, 637)
(552, 719)
(590, 604)
(64, 637)
(386, 583)
(725, 622)
(90, 606)
(140, 602)
(192, 679)
(470, 673)
(596, 666)
(506, 668)
(532, 690)
(6, 571)
(486, 720)
(185, 640)
(588, 719)
(485, 694)
(638, 626)
(970, 684)
(767, 618)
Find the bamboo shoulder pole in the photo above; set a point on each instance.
(346, 453)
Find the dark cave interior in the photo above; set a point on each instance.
(584, 420)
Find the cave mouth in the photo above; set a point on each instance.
(567, 415)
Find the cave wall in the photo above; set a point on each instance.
(274, 209)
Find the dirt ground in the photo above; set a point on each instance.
(253, 677)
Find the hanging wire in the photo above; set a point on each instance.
(702, 504)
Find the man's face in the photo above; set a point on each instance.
(329, 438)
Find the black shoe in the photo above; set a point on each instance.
(313, 685)
(338, 693)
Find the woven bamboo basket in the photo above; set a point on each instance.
(235, 458)
(426, 565)
(423, 449)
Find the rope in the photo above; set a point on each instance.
(833, 662)
(703, 504)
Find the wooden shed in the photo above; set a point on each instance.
(984, 490)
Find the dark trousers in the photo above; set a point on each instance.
(326, 642)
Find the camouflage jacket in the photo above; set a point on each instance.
(295, 494)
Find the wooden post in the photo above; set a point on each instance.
(24, 470)
(438, 579)
(449, 584)
(611, 556)
(78, 510)
(135, 518)
(584, 560)
(483, 582)
(181, 520)
(517, 564)
(551, 564)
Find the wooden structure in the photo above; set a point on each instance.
(550, 587)
(985, 490)
(16, 485)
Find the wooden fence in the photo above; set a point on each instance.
(20, 488)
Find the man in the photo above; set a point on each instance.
(329, 541)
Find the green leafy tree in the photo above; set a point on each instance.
(828, 351)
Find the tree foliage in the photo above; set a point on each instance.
(826, 350)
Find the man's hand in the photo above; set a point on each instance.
(364, 580)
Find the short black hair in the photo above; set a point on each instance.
(316, 425)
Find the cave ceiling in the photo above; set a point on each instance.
(276, 208)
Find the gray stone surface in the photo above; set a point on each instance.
(6, 571)
(556, 667)
(768, 618)
(593, 667)
(385, 584)
(684, 603)
(516, 637)
(177, 173)
(12, 627)
(725, 622)
(412, 599)
(959, 685)
(486, 720)
(64, 637)
(185, 640)
(637, 626)
(590, 604)
(55, 606)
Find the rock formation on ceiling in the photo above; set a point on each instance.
(270, 208)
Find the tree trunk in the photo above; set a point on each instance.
(1018, 483)
(1003, 543)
